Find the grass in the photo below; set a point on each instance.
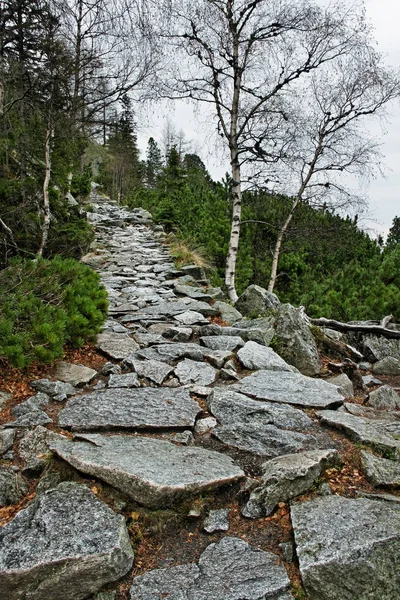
(185, 253)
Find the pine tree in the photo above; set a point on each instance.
(154, 164)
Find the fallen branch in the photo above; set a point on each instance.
(373, 329)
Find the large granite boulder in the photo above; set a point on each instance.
(290, 388)
(66, 544)
(143, 408)
(255, 301)
(294, 341)
(387, 366)
(228, 570)
(154, 472)
(348, 548)
(286, 477)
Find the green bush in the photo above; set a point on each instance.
(45, 305)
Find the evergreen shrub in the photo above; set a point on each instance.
(45, 305)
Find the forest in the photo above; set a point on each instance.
(289, 87)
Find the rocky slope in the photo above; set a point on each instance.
(225, 431)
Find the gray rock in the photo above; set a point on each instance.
(191, 371)
(380, 471)
(255, 356)
(74, 374)
(286, 477)
(229, 314)
(171, 309)
(295, 341)
(223, 342)
(228, 570)
(12, 486)
(267, 440)
(348, 548)
(53, 388)
(191, 317)
(231, 408)
(216, 357)
(34, 451)
(171, 352)
(31, 419)
(178, 334)
(32, 404)
(229, 374)
(6, 440)
(383, 435)
(106, 596)
(4, 397)
(343, 383)
(66, 544)
(384, 398)
(205, 425)
(199, 390)
(116, 345)
(263, 428)
(387, 366)
(182, 437)
(154, 370)
(260, 330)
(217, 520)
(148, 339)
(376, 347)
(127, 380)
(153, 472)
(290, 388)
(142, 408)
(255, 300)
(194, 271)
(287, 550)
(110, 369)
(191, 292)
(371, 381)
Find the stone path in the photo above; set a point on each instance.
(176, 414)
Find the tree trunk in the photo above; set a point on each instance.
(231, 259)
(46, 201)
(278, 245)
(370, 329)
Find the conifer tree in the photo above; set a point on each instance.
(154, 164)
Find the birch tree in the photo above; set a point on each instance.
(238, 56)
(330, 139)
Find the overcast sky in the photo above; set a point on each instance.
(383, 193)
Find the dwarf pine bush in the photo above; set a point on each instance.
(45, 305)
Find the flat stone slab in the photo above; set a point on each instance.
(74, 374)
(254, 356)
(126, 380)
(222, 342)
(228, 570)
(172, 352)
(380, 471)
(290, 388)
(383, 435)
(171, 309)
(285, 478)
(348, 548)
(263, 428)
(116, 345)
(192, 371)
(67, 544)
(142, 408)
(191, 317)
(154, 370)
(154, 472)
(7, 437)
